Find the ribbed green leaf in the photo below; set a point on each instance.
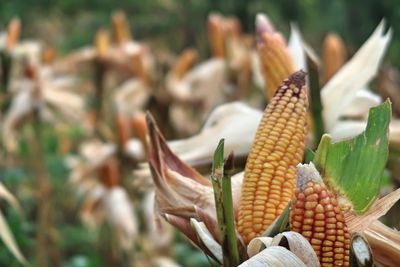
(355, 166)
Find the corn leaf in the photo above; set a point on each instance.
(355, 167)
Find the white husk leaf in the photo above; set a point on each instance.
(361, 103)
(207, 239)
(299, 246)
(274, 256)
(120, 214)
(255, 245)
(339, 91)
(295, 46)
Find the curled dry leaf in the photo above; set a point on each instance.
(274, 256)
(385, 244)
(297, 244)
(207, 239)
(340, 90)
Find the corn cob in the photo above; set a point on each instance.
(109, 174)
(216, 35)
(334, 55)
(185, 61)
(316, 215)
(276, 61)
(102, 43)
(120, 27)
(48, 55)
(269, 177)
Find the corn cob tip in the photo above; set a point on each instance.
(298, 79)
(306, 173)
(263, 24)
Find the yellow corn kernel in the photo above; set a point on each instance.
(329, 237)
(334, 55)
(276, 61)
(272, 180)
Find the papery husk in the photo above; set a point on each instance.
(131, 96)
(177, 184)
(383, 240)
(256, 245)
(339, 91)
(297, 244)
(274, 256)
(120, 213)
(296, 48)
(385, 244)
(186, 228)
(360, 223)
(207, 239)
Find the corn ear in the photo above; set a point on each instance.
(269, 177)
(120, 27)
(102, 43)
(184, 63)
(216, 35)
(315, 213)
(276, 61)
(334, 55)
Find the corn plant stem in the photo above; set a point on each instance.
(316, 104)
(44, 192)
(6, 63)
(224, 208)
(229, 213)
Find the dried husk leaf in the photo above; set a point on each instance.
(297, 244)
(256, 245)
(359, 223)
(385, 244)
(207, 239)
(360, 251)
(274, 256)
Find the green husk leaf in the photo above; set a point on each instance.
(354, 167)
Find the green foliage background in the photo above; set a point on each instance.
(69, 24)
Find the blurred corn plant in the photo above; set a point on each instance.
(74, 126)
